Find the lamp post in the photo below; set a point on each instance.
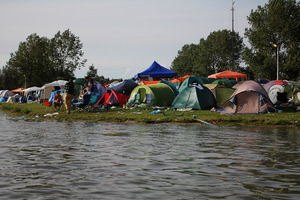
(25, 81)
(276, 46)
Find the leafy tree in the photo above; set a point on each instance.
(184, 62)
(277, 22)
(43, 60)
(65, 54)
(211, 55)
(93, 73)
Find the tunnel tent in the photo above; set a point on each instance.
(159, 94)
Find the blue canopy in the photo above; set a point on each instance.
(156, 70)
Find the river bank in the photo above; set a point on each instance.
(138, 115)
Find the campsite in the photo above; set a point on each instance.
(224, 98)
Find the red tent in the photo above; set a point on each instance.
(228, 74)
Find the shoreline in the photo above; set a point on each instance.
(138, 115)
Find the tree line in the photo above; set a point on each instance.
(41, 60)
(274, 25)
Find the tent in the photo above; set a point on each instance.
(188, 81)
(171, 85)
(269, 84)
(119, 94)
(224, 82)
(31, 89)
(221, 93)
(18, 91)
(78, 86)
(194, 97)
(6, 93)
(49, 87)
(156, 70)
(248, 98)
(228, 74)
(159, 94)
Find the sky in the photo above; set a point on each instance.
(121, 37)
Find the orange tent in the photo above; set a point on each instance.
(179, 79)
(18, 90)
(228, 74)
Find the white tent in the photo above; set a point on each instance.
(32, 89)
(47, 88)
(6, 93)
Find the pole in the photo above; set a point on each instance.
(25, 81)
(232, 35)
(277, 70)
(277, 62)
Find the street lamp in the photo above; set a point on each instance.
(276, 46)
(25, 81)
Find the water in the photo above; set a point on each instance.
(83, 160)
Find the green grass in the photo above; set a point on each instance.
(142, 115)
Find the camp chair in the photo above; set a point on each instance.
(47, 104)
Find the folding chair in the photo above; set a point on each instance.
(47, 105)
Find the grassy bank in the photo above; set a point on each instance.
(34, 110)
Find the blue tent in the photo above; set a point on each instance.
(156, 70)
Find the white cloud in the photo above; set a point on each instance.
(120, 37)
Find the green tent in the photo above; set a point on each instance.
(194, 97)
(223, 82)
(221, 92)
(78, 85)
(189, 81)
(159, 94)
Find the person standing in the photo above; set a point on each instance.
(70, 91)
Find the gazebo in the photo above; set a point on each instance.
(228, 74)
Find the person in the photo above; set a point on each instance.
(57, 100)
(70, 92)
(90, 84)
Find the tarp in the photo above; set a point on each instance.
(194, 97)
(156, 70)
(248, 98)
(228, 74)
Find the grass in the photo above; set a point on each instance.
(142, 115)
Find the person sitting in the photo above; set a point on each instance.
(57, 100)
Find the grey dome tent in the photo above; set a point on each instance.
(248, 98)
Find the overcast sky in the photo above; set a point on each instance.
(121, 37)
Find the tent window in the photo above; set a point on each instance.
(148, 98)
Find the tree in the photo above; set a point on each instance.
(211, 55)
(65, 54)
(43, 60)
(93, 73)
(278, 22)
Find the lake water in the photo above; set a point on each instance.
(84, 160)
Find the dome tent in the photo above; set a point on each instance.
(194, 97)
(249, 98)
